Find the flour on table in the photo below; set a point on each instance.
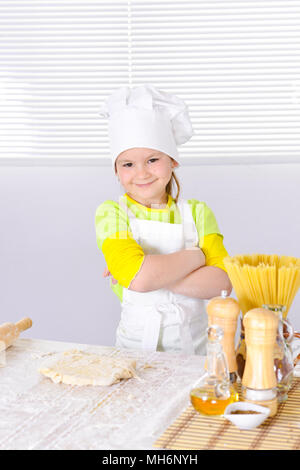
(83, 368)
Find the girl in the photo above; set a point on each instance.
(165, 255)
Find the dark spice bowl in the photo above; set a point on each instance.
(246, 415)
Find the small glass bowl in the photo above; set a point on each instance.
(246, 420)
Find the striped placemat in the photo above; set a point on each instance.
(192, 431)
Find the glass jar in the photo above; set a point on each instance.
(283, 355)
(241, 352)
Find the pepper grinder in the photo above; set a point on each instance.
(224, 311)
(259, 384)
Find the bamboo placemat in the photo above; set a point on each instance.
(191, 430)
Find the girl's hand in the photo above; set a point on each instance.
(176, 287)
(106, 273)
(199, 253)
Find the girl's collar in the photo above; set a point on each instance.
(167, 207)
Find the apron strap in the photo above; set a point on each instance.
(185, 331)
(151, 330)
(153, 323)
(190, 232)
(126, 208)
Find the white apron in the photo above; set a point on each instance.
(161, 320)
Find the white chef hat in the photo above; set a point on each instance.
(146, 117)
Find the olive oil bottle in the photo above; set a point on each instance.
(213, 392)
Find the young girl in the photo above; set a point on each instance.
(164, 255)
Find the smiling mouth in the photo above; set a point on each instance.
(144, 185)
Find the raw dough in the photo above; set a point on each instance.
(82, 368)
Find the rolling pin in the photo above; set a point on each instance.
(224, 311)
(9, 332)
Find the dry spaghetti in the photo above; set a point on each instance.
(264, 279)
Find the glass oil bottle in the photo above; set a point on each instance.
(213, 392)
(283, 355)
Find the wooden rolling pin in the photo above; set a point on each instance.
(9, 332)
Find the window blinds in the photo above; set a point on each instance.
(235, 63)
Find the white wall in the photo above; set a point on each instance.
(51, 269)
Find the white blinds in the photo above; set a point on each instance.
(235, 63)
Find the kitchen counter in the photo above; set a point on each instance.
(39, 414)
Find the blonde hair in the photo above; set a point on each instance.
(171, 184)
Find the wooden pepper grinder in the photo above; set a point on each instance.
(9, 332)
(224, 311)
(259, 380)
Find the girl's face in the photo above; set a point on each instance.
(144, 174)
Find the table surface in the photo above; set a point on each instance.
(39, 414)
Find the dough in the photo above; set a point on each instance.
(82, 368)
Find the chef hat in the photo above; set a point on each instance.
(146, 117)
